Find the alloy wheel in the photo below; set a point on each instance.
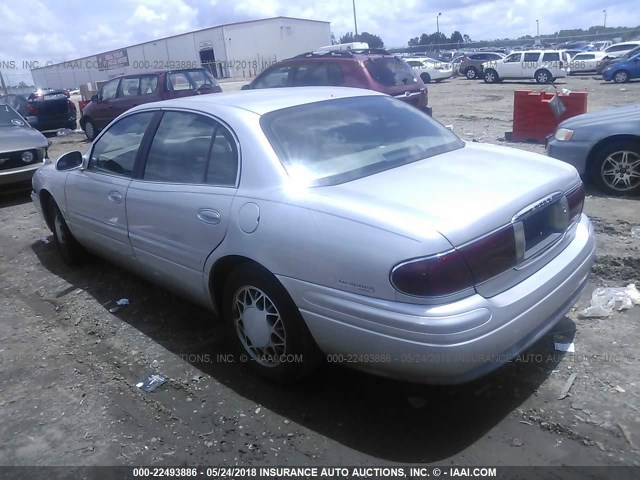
(621, 170)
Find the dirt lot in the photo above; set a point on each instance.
(68, 367)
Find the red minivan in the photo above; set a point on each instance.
(373, 69)
(122, 93)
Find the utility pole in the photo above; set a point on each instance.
(438, 30)
(605, 18)
(355, 21)
(538, 28)
(4, 87)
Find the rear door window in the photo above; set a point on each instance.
(274, 78)
(551, 57)
(194, 149)
(130, 87)
(148, 84)
(390, 71)
(318, 74)
(531, 57)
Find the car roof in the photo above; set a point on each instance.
(262, 101)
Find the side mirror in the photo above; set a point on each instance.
(245, 87)
(69, 161)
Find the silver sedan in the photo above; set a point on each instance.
(331, 223)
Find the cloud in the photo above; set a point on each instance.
(44, 31)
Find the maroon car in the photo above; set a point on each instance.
(373, 69)
(122, 93)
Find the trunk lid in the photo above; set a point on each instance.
(462, 194)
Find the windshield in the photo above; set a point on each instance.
(335, 141)
(9, 117)
(391, 71)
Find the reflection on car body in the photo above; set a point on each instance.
(331, 220)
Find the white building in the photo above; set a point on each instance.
(239, 50)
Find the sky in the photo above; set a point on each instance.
(55, 31)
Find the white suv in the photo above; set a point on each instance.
(541, 65)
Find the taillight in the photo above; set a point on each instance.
(31, 109)
(575, 199)
(459, 269)
(434, 276)
(492, 254)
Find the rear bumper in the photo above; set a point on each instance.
(51, 122)
(451, 343)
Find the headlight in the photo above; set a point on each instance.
(27, 157)
(563, 134)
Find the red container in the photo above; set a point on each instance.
(533, 118)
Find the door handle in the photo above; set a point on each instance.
(115, 197)
(207, 215)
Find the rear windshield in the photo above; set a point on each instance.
(390, 71)
(9, 117)
(335, 141)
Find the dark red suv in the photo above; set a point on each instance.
(122, 93)
(371, 69)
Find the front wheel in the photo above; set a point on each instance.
(90, 130)
(616, 168)
(425, 77)
(267, 326)
(70, 250)
(621, 77)
(491, 76)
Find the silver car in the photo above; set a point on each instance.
(331, 222)
(603, 146)
(22, 149)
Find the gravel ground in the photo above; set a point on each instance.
(68, 367)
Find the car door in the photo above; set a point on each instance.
(178, 210)
(102, 114)
(128, 95)
(511, 66)
(95, 195)
(634, 66)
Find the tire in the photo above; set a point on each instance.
(71, 251)
(266, 326)
(491, 76)
(471, 73)
(615, 168)
(425, 77)
(543, 76)
(621, 76)
(90, 130)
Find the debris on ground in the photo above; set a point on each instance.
(151, 383)
(604, 300)
(119, 304)
(567, 386)
(564, 347)
(635, 232)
